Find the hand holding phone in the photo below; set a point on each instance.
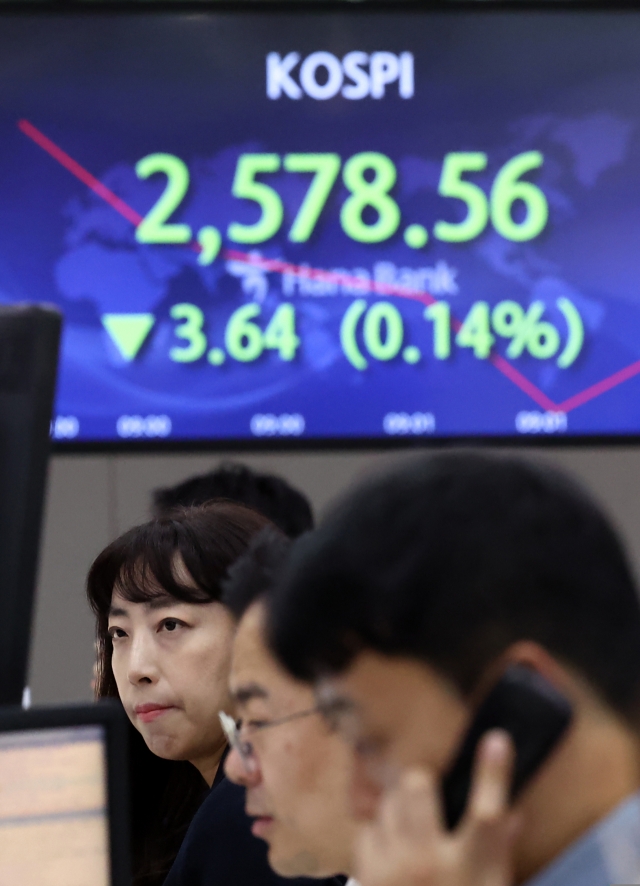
(407, 845)
(512, 733)
(532, 711)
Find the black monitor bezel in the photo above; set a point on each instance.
(304, 7)
(110, 715)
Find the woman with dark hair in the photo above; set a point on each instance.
(164, 645)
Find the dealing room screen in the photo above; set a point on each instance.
(328, 225)
(53, 808)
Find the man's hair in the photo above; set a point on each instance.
(254, 573)
(272, 496)
(450, 560)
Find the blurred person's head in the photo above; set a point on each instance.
(416, 593)
(297, 779)
(272, 496)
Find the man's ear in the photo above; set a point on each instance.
(534, 656)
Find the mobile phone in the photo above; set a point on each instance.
(532, 711)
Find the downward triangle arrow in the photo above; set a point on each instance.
(128, 331)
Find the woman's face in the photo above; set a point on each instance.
(171, 665)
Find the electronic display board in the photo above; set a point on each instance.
(328, 224)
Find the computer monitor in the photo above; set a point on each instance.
(328, 223)
(63, 801)
(29, 337)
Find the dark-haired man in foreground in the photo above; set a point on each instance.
(296, 771)
(408, 604)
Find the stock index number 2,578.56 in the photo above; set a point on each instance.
(369, 178)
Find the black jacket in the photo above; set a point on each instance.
(220, 850)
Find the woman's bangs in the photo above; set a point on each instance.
(137, 583)
(153, 574)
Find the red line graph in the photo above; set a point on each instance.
(281, 267)
(600, 387)
(80, 172)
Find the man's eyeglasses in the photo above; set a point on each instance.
(341, 716)
(237, 735)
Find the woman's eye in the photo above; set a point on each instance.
(116, 633)
(171, 624)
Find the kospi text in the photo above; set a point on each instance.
(322, 75)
